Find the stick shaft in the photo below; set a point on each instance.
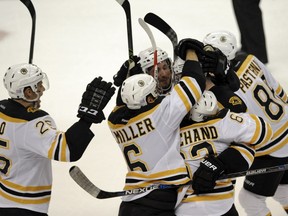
(126, 6)
(80, 178)
(32, 12)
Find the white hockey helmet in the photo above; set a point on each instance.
(177, 68)
(147, 58)
(20, 76)
(205, 107)
(136, 88)
(223, 40)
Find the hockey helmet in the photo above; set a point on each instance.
(136, 88)
(223, 40)
(205, 107)
(20, 76)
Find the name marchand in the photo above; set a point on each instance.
(198, 134)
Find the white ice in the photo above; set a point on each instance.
(77, 40)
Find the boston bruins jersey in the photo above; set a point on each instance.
(264, 97)
(29, 141)
(149, 137)
(240, 131)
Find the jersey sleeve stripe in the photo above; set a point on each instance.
(281, 93)
(257, 131)
(246, 153)
(183, 97)
(265, 132)
(195, 89)
(58, 149)
(64, 148)
(52, 148)
(277, 143)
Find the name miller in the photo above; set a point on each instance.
(134, 131)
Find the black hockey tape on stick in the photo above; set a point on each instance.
(162, 26)
(32, 11)
(79, 177)
(126, 6)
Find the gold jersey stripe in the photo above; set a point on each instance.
(11, 119)
(25, 201)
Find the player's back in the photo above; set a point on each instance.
(264, 97)
(241, 131)
(19, 174)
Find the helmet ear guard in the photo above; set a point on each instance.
(177, 69)
(205, 107)
(136, 89)
(223, 40)
(20, 76)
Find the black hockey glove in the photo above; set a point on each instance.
(188, 43)
(204, 179)
(232, 80)
(215, 62)
(129, 68)
(94, 99)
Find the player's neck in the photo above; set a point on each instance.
(24, 103)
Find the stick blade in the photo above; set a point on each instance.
(79, 177)
(161, 25)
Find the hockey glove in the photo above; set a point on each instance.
(215, 62)
(129, 68)
(188, 43)
(94, 99)
(232, 80)
(204, 179)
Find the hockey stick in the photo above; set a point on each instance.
(152, 40)
(31, 9)
(79, 177)
(162, 26)
(126, 6)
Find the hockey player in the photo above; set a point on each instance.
(223, 82)
(265, 97)
(144, 63)
(146, 129)
(214, 144)
(29, 139)
(163, 73)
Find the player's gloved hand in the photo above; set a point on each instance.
(129, 68)
(94, 99)
(215, 62)
(189, 43)
(232, 80)
(204, 179)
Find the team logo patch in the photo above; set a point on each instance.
(235, 100)
(141, 83)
